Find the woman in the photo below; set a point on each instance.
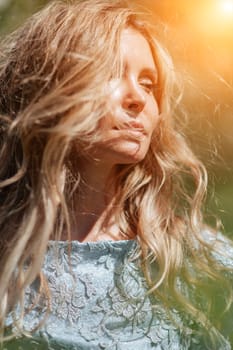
(93, 187)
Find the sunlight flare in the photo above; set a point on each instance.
(226, 7)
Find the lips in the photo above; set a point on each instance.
(133, 126)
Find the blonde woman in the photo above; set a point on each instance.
(102, 245)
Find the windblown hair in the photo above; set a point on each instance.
(52, 73)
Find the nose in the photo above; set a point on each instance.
(134, 99)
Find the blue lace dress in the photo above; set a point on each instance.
(99, 302)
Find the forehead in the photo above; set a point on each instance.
(135, 48)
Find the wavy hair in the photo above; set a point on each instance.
(52, 73)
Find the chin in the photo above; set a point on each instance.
(121, 153)
(131, 157)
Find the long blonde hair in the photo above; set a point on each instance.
(52, 73)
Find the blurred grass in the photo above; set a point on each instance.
(14, 12)
(220, 203)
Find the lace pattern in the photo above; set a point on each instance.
(99, 301)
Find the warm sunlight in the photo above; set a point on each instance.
(226, 7)
(215, 19)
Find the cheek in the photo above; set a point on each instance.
(154, 116)
(114, 102)
(114, 93)
(156, 129)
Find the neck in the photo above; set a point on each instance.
(92, 202)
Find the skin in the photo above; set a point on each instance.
(125, 138)
(126, 132)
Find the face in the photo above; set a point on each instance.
(126, 131)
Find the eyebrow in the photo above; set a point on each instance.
(151, 72)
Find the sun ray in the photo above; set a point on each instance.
(226, 6)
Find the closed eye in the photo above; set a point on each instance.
(148, 79)
(149, 86)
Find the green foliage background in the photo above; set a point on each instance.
(13, 12)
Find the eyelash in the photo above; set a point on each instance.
(149, 87)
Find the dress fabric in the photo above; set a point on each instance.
(98, 301)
